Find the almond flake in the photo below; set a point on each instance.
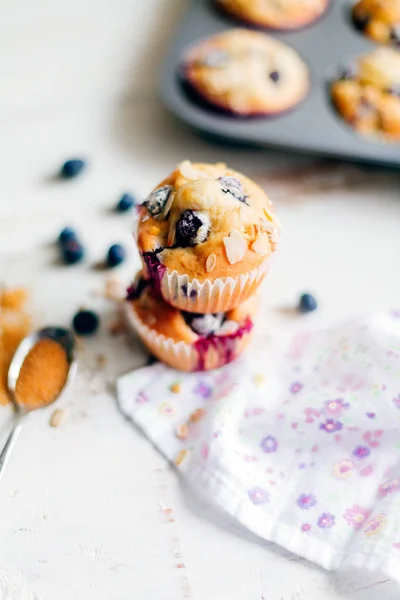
(57, 417)
(169, 204)
(261, 245)
(188, 172)
(267, 225)
(180, 457)
(235, 246)
(211, 262)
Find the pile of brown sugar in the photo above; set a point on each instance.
(43, 374)
(15, 324)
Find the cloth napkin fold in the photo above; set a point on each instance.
(300, 441)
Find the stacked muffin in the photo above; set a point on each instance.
(206, 235)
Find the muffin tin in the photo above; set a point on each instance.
(312, 127)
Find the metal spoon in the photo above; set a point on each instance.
(66, 339)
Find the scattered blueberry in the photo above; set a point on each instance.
(274, 76)
(192, 228)
(115, 255)
(157, 200)
(85, 322)
(67, 235)
(231, 185)
(72, 252)
(307, 303)
(72, 168)
(125, 203)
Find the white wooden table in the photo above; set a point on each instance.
(81, 506)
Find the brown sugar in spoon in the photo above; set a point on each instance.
(42, 367)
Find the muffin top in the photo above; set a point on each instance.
(246, 72)
(379, 20)
(207, 221)
(181, 326)
(279, 14)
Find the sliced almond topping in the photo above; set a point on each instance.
(211, 262)
(261, 245)
(169, 204)
(267, 225)
(235, 246)
(172, 230)
(188, 171)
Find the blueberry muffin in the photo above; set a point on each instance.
(206, 235)
(188, 341)
(379, 20)
(367, 95)
(245, 73)
(274, 14)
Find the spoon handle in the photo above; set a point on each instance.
(12, 438)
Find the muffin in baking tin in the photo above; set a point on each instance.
(206, 235)
(367, 95)
(245, 73)
(274, 14)
(379, 20)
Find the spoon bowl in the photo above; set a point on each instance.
(62, 336)
(66, 339)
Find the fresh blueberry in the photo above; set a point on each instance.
(307, 303)
(125, 203)
(72, 168)
(232, 185)
(72, 252)
(192, 228)
(274, 76)
(85, 322)
(67, 235)
(115, 255)
(157, 200)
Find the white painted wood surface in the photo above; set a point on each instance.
(82, 505)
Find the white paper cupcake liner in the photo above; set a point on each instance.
(181, 355)
(219, 295)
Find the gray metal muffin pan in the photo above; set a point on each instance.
(313, 126)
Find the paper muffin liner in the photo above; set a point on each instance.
(208, 296)
(184, 356)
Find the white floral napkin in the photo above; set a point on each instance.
(301, 445)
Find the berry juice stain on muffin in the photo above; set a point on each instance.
(206, 235)
(367, 95)
(189, 341)
(274, 14)
(379, 20)
(245, 73)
